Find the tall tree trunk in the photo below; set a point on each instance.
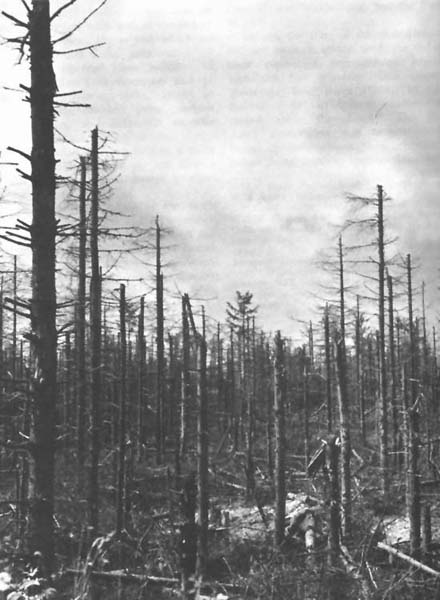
(14, 322)
(232, 395)
(250, 466)
(306, 400)
(141, 360)
(202, 455)
(185, 383)
(332, 460)
(393, 378)
(160, 351)
(280, 439)
(43, 304)
(328, 369)
(413, 476)
(359, 380)
(120, 506)
(344, 419)
(266, 370)
(81, 329)
(96, 350)
(383, 413)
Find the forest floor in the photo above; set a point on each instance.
(144, 563)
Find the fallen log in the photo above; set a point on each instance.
(412, 561)
(125, 577)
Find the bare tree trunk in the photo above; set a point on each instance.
(223, 423)
(141, 360)
(43, 304)
(96, 350)
(120, 506)
(383, 413)
(413, 476)
(266, 369)
(14, 322)
(233, 396)
(393, 378)
(250, 466)
(81, 329)
(280, 439)
(202, 455)
(344, 415)
(160, 351)
(328, 370)
(344, 419)
(68, 378)
(359, 381)
(306, 400)
(332, 460)
(185, 384)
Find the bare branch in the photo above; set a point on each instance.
(24, 175)
(62, 9)
(91, 47)
(26, 5)
(4, 237)
(20, 152)
(83, 148)
(71, 105)
(72, 31)
(59, 94)
(15, 20)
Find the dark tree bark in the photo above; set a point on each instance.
(14, 322)
(393, 374)
(120, 506)
(359, 378)
(185, 382)
(280, 439)
(43, 303)
(202, 455)
(81, 329)
(160, 352)
(250, 426)
(413, 475)
(96, 349)
(328, 370)
(306, 400)
(141, 365)
(383, 413)
(332, 462)
(344, 419)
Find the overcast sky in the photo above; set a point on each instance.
(247, 123)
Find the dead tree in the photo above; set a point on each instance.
(344, 419)
(185, 381)
(332, 465)
(343, 402)
(393, 373)
(121, 492)
(95, 334)
(160, 352)
(328, 369)
(383, 405)
(43, 304)
(202, 442)
(81, 327)
(280, 439)
(250, 409)
(141, 360)
(413, 475)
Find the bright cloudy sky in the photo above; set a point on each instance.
(248, 121)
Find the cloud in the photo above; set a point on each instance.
(248, 121)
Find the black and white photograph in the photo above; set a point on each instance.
(219, 300)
